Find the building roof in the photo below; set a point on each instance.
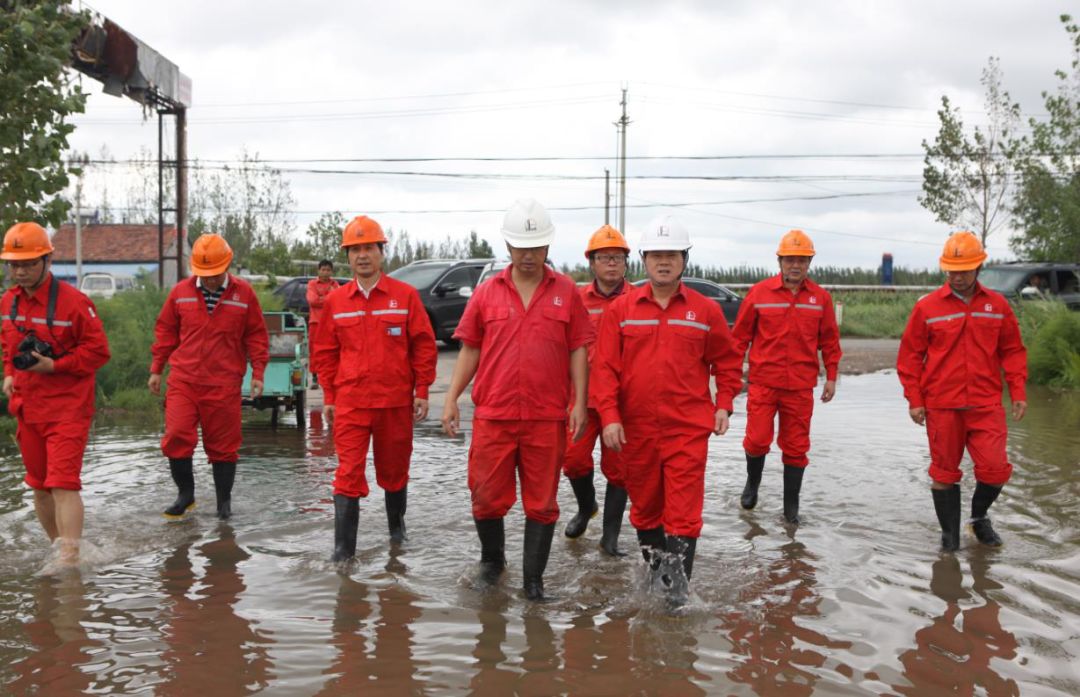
(114, 243)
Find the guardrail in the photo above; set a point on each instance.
(833, 287)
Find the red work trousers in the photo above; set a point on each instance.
(52, 453)
(213, 409)
(795, 407)
(665, 478)
(531, 449)
(981, 430)
(579, 454)
(389, 431)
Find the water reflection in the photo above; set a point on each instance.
(781, 656)
(60, 641)
(211, 649)
(492, 676)
(953, 654)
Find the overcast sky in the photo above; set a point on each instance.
(477, 79)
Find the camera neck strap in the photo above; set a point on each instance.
(50, 307)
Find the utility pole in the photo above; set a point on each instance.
(607, 195)
(80, 161)
(623, 123)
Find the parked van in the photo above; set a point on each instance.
(104, 285)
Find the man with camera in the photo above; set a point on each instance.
(53, 344)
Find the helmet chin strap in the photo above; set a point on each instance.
(44, 270)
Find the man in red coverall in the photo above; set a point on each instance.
(53, 344)
(607, 253)
(958, 341)
(318, 290)
(209, 328)
(785, 320)
(656, 348)
(525, 336)
(376, 352)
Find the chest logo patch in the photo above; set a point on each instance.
(988, 307)
(813, 300)
(393, 302)
(691, 315)
(558, 301)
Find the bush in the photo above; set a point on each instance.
(1052, 335)
(129, 323)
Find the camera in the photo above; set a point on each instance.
(24, 360)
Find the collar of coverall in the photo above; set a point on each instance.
(380, 284)
(778, 282)
(507, 278)
(647, 294)
(594, 288)
(41, 294)
(224, 284)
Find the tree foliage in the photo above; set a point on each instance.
(968, 178)
(37, 95)
(1047, 208)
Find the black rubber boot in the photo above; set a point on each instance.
(685, 547)
(224, 476)
(652, 541)
(346, 521)
(947, 506)
(586, 502)
(395, 513)
(183, 474)
(492, 549)
(792, 486)
(535, 557)
(981, 500)
(614, 507)
(754, 467)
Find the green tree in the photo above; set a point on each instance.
(324, 235)
(478, 248)
(968, 179)
(1047, 206)
(37, 95)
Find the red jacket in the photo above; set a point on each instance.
(652, 364)
(785, 331)
(211, 349)
(317, 293)
(952, 353)
(596, 302)
(375, 352)
(524, 370)
(77, 338)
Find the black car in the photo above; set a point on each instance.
(445, 286)
(729, 301)
(1035, 281)
(293, 293)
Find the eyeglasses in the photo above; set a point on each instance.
(23, 264)
(609, 258)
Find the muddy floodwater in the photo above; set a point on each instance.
(857, 601)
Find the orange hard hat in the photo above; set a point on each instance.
(963, 252)
(210, 255)
(25, 241)
(362, 230)
(606, 237)
(795, 243)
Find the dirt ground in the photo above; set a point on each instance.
(868, 355)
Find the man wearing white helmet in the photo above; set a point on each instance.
(524, 335)
(655, 350)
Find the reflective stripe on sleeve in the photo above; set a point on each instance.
(945, 318)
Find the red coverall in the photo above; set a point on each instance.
(951, 358)
(317, 293)
(785, 331)
(54, 410)
(207, 354)
(521, 390)
(651, 374)
(374, 354)
(579, 461)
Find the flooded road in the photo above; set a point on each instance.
(857, 601)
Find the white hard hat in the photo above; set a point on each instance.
(527, 225)
(665, 235)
